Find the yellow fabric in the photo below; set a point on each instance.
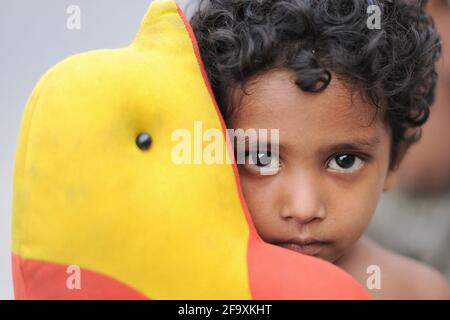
(85, 194)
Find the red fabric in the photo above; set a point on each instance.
(38, 280)
(278, 273)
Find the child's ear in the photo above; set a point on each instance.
(391, 179)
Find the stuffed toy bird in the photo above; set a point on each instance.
(101, 210)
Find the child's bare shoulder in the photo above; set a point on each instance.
(406, 278)
(401, 277)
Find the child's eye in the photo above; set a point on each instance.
(263, 162)
(345, 163)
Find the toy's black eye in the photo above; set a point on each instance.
(143, 141)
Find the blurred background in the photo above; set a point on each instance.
(414, 219)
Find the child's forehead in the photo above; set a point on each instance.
(274, 100)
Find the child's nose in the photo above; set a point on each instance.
(303, 201)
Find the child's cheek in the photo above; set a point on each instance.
(349, 214)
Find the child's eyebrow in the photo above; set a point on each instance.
(353, 144)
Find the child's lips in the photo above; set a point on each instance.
(308, 247)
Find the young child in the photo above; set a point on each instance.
(348, 100)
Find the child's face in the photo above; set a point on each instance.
(334, 164)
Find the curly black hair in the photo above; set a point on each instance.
(394, 66)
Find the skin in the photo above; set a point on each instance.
(313, 203)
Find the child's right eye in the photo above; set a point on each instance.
(262, 162)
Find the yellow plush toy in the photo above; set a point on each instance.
(97, 196)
